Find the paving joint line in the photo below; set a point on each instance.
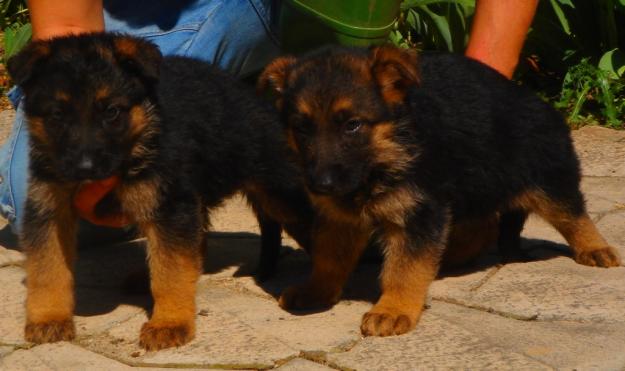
(491, 272)
(321, 357)
(531, 318)
(603, 214)
(16, 265)
(139, 364)
(603, 177)
(461, 324)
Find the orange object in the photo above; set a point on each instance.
(64, 17)
(87, 197)
(498, 32)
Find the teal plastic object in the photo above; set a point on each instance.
(306, 24)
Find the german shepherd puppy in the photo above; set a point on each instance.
(180, 134)
(411, 150)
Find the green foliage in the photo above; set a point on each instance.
(565, 32)
(589, 93)
(16, 33)
(575, 49)
(15, 37)
(13, 12)
(434, 24)
(613, 62)
(582, 43)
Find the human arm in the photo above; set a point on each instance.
(498, 32)
(63, 17)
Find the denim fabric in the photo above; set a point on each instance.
(13, 167)
(234, 34)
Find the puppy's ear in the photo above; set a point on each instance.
(138, 55)
(395, 70)
(274, 78)
(22, 65)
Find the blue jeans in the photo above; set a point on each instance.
(234, 34)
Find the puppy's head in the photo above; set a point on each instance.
(89, 102)
(340, 107)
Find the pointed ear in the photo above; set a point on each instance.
(274, 78)
(22, 65)
(395, 70)
(138, 55)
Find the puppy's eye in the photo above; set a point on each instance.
(352, 126)
(111, 113)
(300, 128)
(57, 114)
(301, 125)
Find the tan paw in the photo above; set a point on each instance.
(387, 323)
(606, 257)
(156, 336)
(50, 332)
(306, 297)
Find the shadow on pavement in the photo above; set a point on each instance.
(8, 239)
(110, 275)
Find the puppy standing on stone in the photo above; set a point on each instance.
(179, 134)
(412, 151)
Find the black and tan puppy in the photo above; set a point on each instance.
(413, 152)
(181, 136)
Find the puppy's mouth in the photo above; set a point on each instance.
(338, 194)
(87, 168)
(89, 177)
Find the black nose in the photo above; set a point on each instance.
(323, 183)
(85, 167)
(85, 163)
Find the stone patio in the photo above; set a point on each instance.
(547, 313)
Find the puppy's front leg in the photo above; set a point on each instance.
(175, 266)
(336, 248)
(48, 237)
(411, 260)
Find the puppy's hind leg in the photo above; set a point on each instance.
(509, 242)
(336, 248)
(567, 213)
(270, 243)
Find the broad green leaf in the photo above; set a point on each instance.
(411, 19)
(442, 27)
(561, 17)
(569, 3)
(606, 97)
(613, 62)
(15, 38)
(407, 4)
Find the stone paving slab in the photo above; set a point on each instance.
(10, 257)
(299, 364)
(545, 313)
(58, 357)
(222, 341)
(12, 298)
(601, 151)
(6, 122)
(604, 194)
(561, 344)
(555, 289)
(435, 344)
